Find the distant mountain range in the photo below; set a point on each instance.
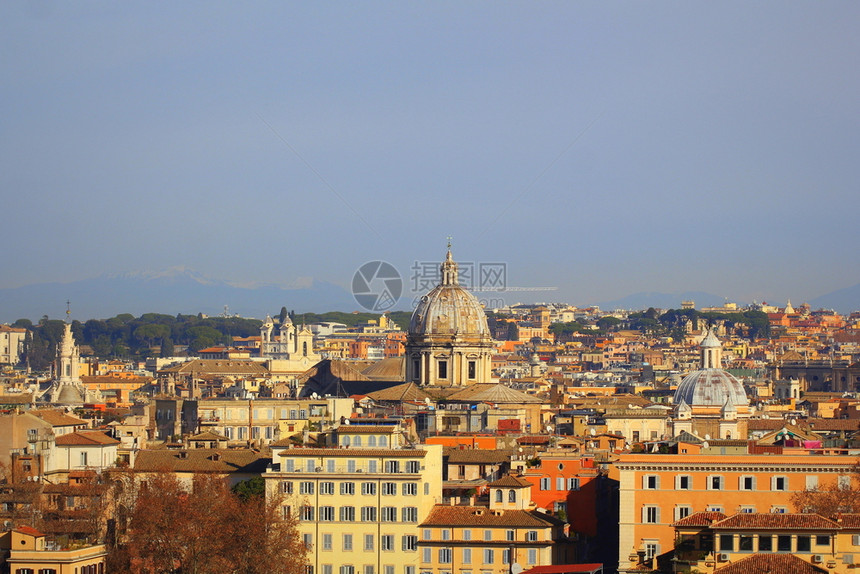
(182, 290)
(174, 291)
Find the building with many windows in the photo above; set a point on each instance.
(658, 490)
(493, 539)
(358, 504)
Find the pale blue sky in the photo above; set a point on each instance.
(604, 148)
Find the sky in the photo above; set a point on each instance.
(599, 148)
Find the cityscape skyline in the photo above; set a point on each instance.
(600, 150)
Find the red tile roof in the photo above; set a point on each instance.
(509, 481)
(482, 516)
(775, 521)
(770, 564)
(29, 531)
(701, 519)
(84, 438)
(354, 452)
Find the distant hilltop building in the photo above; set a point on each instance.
(292, 350)
(688, 304)
(449, 343)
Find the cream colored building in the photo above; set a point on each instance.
(29, 553)
(11, 344)
(358, 506)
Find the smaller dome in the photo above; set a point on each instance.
(711, 388)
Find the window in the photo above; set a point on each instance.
(413, 466)
(727, 542)
(573, 484)
(308, 540)
(409, 570)
(745, 543)
(683, 482)
(389, 488)
(844, 481)
(330, 465)
(410, 489)
(532, 536)
(410, 514)
(443, 369)
(326, 541)
(310, 465)
(747, 483)
(392, 467)
(822, 540)
(347, 488)
(532, 556)
(386, 541)
(651, 482)
(488, 556)
(409, 543)
(811, 481)
(510, 535)
(499, 495)
(369, 542)
(778, 509)
(444, 555)
(356, 441)
(779, 483)
(783, 543)
(512, 495)
(488, 535)
(368, 569)
(715, 482)
(747, 509)
(308, 513)
(326, 488)
(506, 556)
(347, 542)
(682, 512)
(84, 458)
(326, 513)
(467, 534)
(347, 514)
(371, 464)
(350, 466)
(371, 440)
(765, 543)
(426, 555)
(545, 483)
(306, 487)
(326, 569)
(804, 543)
(559, 483)
(287, 487)
(389, 514)
(446, 534)
(347, 569)
(472, 369)
(368, 514)
(651, 514)
(467, 555)
(651, 549)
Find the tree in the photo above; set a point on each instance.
(830, 500)
(204, 529)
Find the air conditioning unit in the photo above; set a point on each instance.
(817, 558)
(723, 557)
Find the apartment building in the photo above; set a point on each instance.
(359, 502)
(658, 490)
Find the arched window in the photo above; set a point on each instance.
(499, 495)
(512, 495)
(371, 440)
(305, 349)
(357, 441)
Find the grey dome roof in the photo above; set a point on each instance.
(711, 388)
(449, 309)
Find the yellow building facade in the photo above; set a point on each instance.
(358, 507)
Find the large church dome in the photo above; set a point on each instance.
(449, 309)
(711, 386)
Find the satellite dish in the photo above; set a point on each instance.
(314, 396)
(346, 422)
(593, 432)
(707, 437)
(516, 568)
(548, 428)
(427, 400)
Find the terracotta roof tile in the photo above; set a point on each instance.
(84, 438)
(481, 516)
(510, 481)
(849, 520)
(770, 564)
(29, 531)
(775, 521)
(477, 456)
(202, 460)
(701, 519)
(58, 418)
